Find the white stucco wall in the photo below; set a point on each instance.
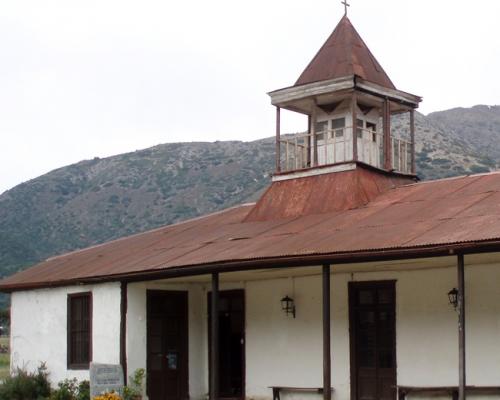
(39, 328)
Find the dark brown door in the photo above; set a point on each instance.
(231, 343)
(167, 345)
(373, 340)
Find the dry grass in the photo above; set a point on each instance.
(4, 358)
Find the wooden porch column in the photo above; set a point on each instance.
(214, 339)
(327, 362)
(412, 139)
(313, 135)
(278, 135)
(354, 127)
(387, 135)
(123, 328)
(461, 327)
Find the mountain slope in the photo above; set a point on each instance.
(442, 152)
(97, 200)
(478, 126)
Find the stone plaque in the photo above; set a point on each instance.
(105, 378)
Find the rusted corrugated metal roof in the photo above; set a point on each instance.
(344, 54)
(430, 214)
(324, 193)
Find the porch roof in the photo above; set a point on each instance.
(421, 219)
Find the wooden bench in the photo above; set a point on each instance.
(452, 391)
(278, 389)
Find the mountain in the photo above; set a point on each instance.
(443, 150)
(478, 126)
(100, 199)
(97, 200)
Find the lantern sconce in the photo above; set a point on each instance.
(288, 305)
(453, 297)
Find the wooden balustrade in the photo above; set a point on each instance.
(335, 146)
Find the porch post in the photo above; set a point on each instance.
(327, 362)
(123, 328)
(461, 327)
(278, 134)
(214, 342)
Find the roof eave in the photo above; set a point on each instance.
(391, 94)
(391, 254)
(283, 97)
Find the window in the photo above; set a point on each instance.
(338, 126)
(373, 128)
(79, 330)
(321, 129)
(359, 128)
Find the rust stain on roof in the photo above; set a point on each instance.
(323, 193)
(344, 54)
(436, 213)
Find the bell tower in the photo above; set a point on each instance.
(348, 156)
(349, 100)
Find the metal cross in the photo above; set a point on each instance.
(346, 4)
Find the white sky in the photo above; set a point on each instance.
(80, 79)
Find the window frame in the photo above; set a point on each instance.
(70, 364)
(337, 128)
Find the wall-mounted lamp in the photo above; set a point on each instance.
(288, 305)
(453, 297)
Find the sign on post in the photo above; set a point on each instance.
(105, 378)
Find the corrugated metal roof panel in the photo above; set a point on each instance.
(451, 211)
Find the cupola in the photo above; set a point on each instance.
(349, 100)
(348, 156)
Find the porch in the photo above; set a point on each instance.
(279, 350)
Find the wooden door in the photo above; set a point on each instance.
(167, 345)
(373, 340)
(231, 343)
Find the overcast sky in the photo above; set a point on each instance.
(80, 79)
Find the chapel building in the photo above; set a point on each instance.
(348, 279)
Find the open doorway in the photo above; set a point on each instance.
(231, 343)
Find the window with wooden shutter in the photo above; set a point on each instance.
(79, 330)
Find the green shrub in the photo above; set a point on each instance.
(83, 391)
(24, 385)
(66, 390)
(70, 389)
(135, 388)
(478, 169)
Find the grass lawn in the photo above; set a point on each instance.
(4, 358)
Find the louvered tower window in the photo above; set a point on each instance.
(79, 330)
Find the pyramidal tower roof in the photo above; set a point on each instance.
(344, 54)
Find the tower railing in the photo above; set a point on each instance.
(336, 146)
